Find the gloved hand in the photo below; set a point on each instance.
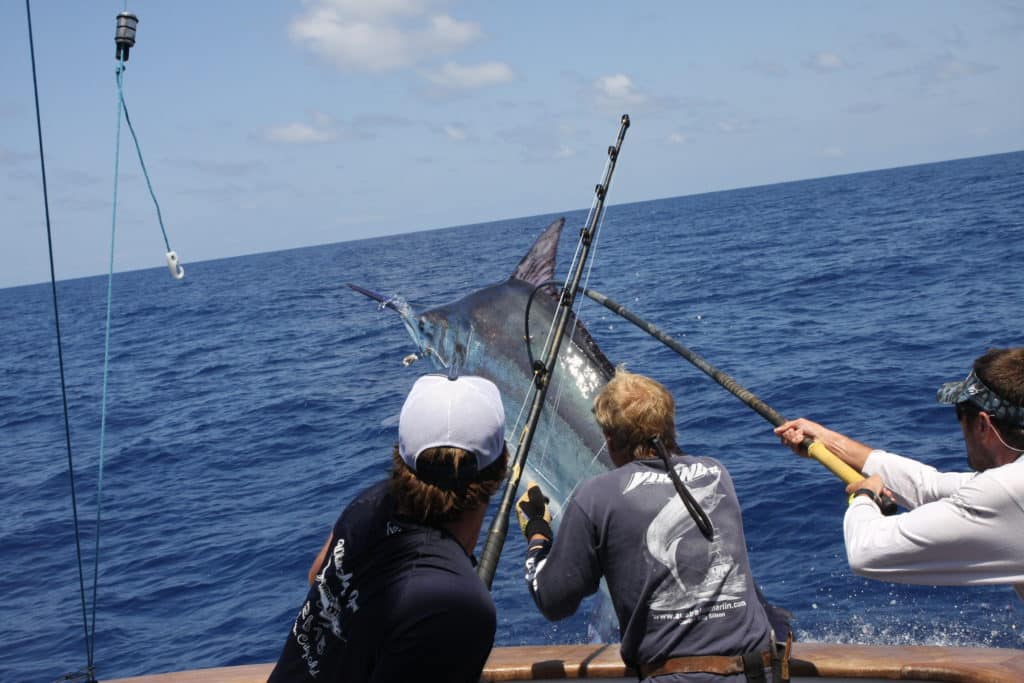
(534, 515)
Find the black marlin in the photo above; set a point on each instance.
(483, 334)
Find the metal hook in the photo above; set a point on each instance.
(177, 270)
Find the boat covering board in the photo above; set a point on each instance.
(810, 661)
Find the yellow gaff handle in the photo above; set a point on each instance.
(815, 450)
(819, 452)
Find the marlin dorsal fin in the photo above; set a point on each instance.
(539, 263)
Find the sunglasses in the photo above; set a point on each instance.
(966, 408)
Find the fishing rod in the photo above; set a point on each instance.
(813, 449)
(542, 371)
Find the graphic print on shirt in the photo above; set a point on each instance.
(319, 626)
(320, 617)
(699, 572)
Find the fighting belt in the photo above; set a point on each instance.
(752, 664)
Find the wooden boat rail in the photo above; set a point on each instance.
(809, 661)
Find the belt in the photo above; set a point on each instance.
(708, 664)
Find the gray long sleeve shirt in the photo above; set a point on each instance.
(674, 592)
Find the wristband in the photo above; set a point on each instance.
(869, 493)
(537, 525)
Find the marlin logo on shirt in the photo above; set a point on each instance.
(687, 473)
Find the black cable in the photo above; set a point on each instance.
(60, 352)
(692, 506)
(526, 325)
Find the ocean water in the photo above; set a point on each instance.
(250, 402)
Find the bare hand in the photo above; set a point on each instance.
(793, 432)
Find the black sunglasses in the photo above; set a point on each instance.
(966, 408)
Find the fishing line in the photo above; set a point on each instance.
(572, 331)
(60, 351)
(572, 263)
(597, 455)
(579, 307)
(556, 400)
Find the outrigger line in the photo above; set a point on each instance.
(89, 672)
(124, 39)
(814, 449)
(542, 371)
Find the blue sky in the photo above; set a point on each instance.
(267, 126)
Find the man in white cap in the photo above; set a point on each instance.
(961, 528)
(394, 595)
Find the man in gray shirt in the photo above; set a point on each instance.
(682, 590)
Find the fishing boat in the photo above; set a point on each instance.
(810, 660)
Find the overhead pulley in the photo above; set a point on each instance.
(124, 34)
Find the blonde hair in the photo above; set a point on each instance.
(631, 409)
(433, 504)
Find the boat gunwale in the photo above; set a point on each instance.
(602, 661)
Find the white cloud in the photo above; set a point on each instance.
(455, 132)
(825, 62)
(445, 33)
(950, 68)
(835, 152)
(675, 138)
(456, 76)
(731, 126)
(943, 70)
(565, 152)
(300, 133)
(375, 10)
(380, 35)
(617, 91)
(618, 86)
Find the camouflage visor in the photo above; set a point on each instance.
(972, 389)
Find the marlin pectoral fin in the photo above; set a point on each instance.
(380, 298)
(539, 263)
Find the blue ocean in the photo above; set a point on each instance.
(248, 403)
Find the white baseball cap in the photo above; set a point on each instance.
(464, 412)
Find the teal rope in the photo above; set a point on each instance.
(60, 350)
(138, 150)
(107, 366)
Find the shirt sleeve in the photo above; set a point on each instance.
(913, 483)
(560, 573)
(969, 537)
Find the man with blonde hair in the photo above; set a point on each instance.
(687, 606)
(394, 595)
(962, 528)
